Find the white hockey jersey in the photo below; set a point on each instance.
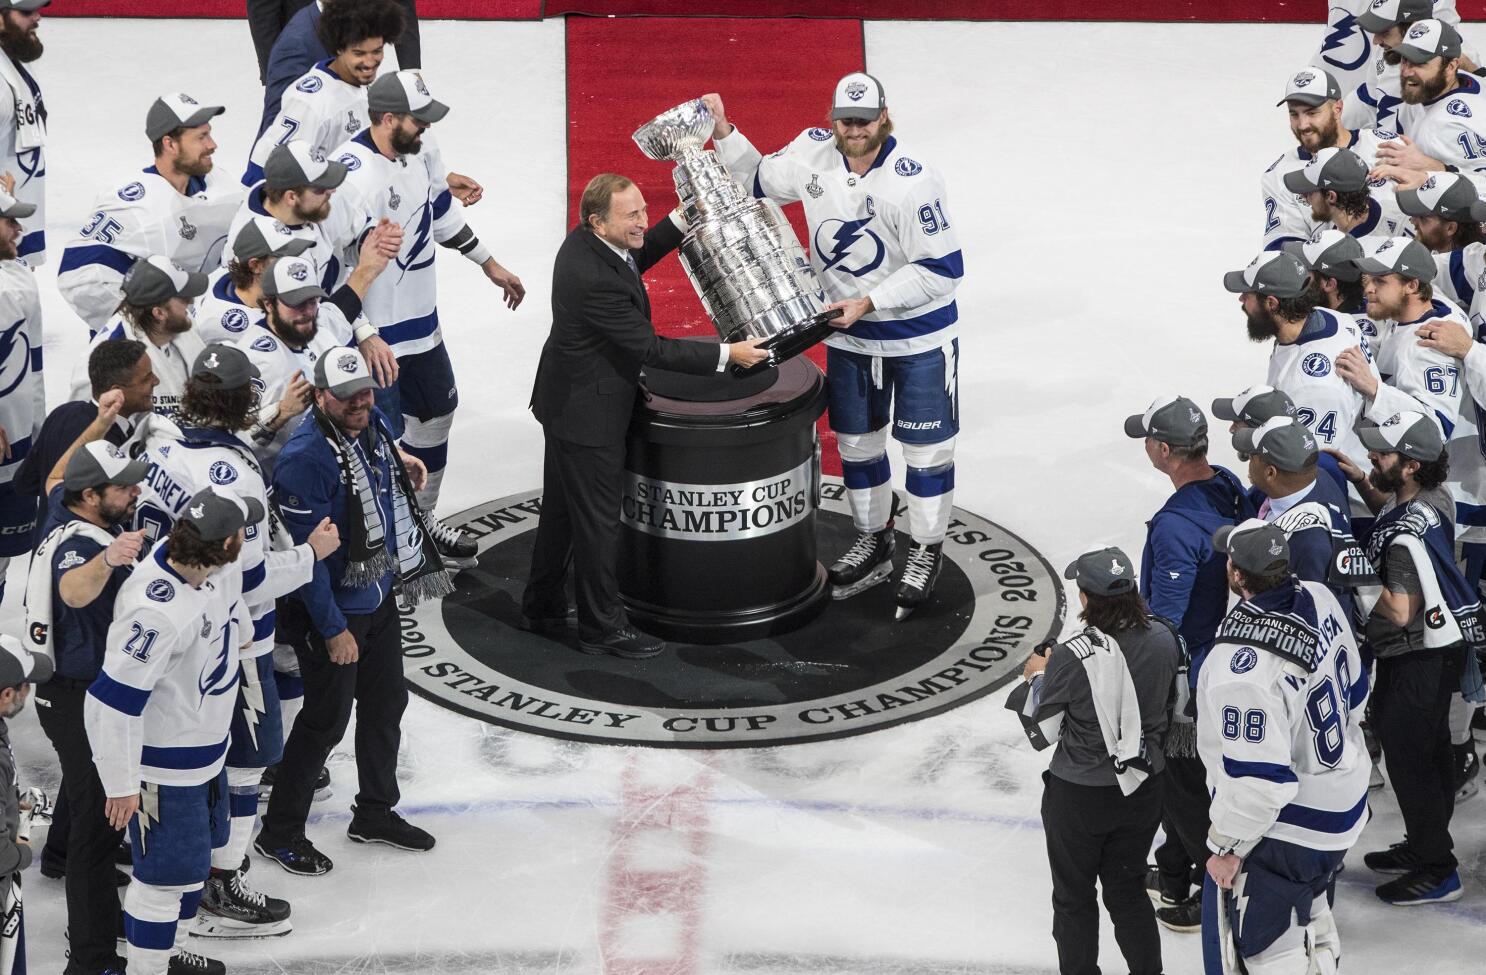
(22, 395)
(1347, 51)
(140, 218)
(319, 109)
(1306, 370)
(161, 709)
(886, 235)
(23, 152)
(221, 315)
(277, 363)
(411, 191)
(1283, 748)
(1452, 127)
(171, 362)
(1287, 216)
(326, 256)
(185, 462)
(1461, 278)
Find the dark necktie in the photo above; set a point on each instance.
(630, 260)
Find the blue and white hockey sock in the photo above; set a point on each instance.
(242, 810)
(152, 927)
(931, 495)
(866, 473)
(428, 440)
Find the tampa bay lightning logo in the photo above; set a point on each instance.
(1418, 31)
(848, 246)
(132, 192)
(234, 319)
(216, 678)
(299, 272)
(161, 591)
(310, 85)
(15, 357)
(350, 162)
(264, 343)
(820, 135)
(1245, 660)
(907, 167)
(1316, 364)
(855, 91)
(221, 472)
(420, 230)
(1456, 106)
(1346, 46)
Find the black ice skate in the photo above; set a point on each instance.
(868, 562)
(231, 908)
(920, 573)
(457, 548)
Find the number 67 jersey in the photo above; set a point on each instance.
(1279, 705)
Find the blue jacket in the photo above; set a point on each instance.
(295, 52)
(307, 487)
(1182, 577)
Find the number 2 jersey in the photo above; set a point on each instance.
(886, 235)
(1287, 216)
(1282, 744)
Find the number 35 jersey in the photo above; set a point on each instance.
(887, 235)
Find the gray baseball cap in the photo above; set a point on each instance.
(217, 514)
(1103, 572)
(1254, 406)
(1330, 252)
(1275, 273)
(17, 664)
(1174, 420)
(1311, 86)
(1281, 440)
(1383, 14)
(1448, 195)
(343, 372)
(24, 6)
(13, 209)
(1254, 546)
(99, 462)
(1427, 40)
(1403, 256)
(1412, 434)
(265, 236)
(405, 93)
(858, 96)
(294, 166)
(224, 366)
(292, 280)
(155, 280)
(1336, 169)
(177, 111)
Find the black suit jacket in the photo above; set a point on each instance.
(601, 336)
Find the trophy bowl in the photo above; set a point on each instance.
(688, 125)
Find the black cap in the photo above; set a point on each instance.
(223, 366)
(218, 514)
(1254, 546)
(98, 463)
(1104, 572)
(1174, 420)
(1254, 406)
(155, 280)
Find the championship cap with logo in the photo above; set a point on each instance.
(1383, 14)
(1336, 169)
(1278, 274)
(1254, 546)
(223, 366)
(154, 280)
(1281, 440)
(1254, 406)
(177, 111)
(1403, 256)
(858, 96)
(292, 280)
(98, 463)
(1449, 195)
(13, 209)
(1330, 252)
(1173, 420)
(24, 6)
(217, 514)
(294, 166)
(404, 93)
(343, 372)
(1311, 86)
(1427, 40)
(17, 664)
(265, 236)
(1410, 433)
(1104, 572)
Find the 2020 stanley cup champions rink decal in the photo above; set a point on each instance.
(850, 670)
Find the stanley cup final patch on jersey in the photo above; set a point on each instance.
(849, 670)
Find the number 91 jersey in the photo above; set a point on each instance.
(1283, 748)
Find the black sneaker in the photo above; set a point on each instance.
(549, 624)
(190, 963)
(1157, 890)
(1185, 918)
(123, 856)
(456, 548)
(1467, 769)
(1398, 858)
(1478, 724)
(920, 573)
(298, 856)
(868, 562)
(628, 643)
(231, 908)
(388, 828)
(1428, 885)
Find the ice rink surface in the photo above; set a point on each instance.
(1103, 177)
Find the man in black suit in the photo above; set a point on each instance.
(584, 394)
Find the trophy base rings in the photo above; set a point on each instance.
(788, 344)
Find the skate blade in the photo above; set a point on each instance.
(903, 612)
(877, 576)
(223, 930)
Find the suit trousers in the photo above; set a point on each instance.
(579, 527)
(1410, 713)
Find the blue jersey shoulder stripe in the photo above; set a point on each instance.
(1268, 771)
(33, 243)
(948, 266)
(119, 696)
(253, 578)
(253, 174)
(263, 626)
(79, 256)
(442, 203)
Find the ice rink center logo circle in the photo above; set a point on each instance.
(850, 671)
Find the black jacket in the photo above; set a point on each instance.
(601, 336)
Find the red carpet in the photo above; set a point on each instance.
(622, 73)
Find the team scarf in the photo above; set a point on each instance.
(30, 113)
(1281, 621)
(419, 567)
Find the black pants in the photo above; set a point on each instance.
(54, 852)
(579, 527)
(1411, 716)
(374, 683)
(1183, 853)
(1098, 833)
(93, 914)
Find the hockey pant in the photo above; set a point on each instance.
(1278, 913)
(420, 407)
(256, 742)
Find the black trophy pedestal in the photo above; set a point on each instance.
(721, 488)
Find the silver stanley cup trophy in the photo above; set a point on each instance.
(740, 253)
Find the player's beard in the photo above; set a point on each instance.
(199, 166)
(306, 215)
(8, 246)
(295, 334)
(1380, 312)
(1322, 136)
(22, 46)
(1388, 481)
(1426, 90)
(1262, 326)
(1435, 238)
(176, 324)
(405, 143)
(1321, 212)
(117, 515)
(869, 148)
